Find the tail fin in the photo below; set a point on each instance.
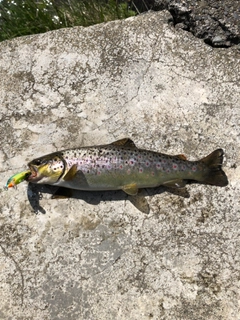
(215, 175)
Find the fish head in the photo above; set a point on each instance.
(47, 169)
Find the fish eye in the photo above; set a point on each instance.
(37, 162)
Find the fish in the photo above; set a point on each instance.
(17, 178)
(121, 165)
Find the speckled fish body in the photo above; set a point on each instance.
(121, 165)
(111, 168)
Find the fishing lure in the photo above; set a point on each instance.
(17, 178)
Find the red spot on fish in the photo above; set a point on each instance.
(121, 166)
(158, 166)
(147, 163)
(183, 167)
(141, 170)
(175, 166)
(194, 168)
(153, 174)
(131, 162)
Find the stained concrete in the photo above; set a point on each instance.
(96, 256)
(217, 22)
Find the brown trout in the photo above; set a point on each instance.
(121, 165)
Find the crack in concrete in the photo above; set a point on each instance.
(10, 256)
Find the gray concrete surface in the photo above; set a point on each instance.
(95, 256)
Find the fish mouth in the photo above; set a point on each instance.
(34, 174)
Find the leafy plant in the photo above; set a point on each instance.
(24, 17)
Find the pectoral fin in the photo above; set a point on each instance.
(177, 183)
(126, 142)
(131, 189)
(71, 173)
(76, 178)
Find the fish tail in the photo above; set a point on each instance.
(214, 175)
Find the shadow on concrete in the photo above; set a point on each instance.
(36, 192)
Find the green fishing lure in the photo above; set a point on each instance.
(17, 178)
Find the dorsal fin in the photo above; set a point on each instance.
(181, 156)
(126, 142)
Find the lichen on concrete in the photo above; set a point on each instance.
(96, 256)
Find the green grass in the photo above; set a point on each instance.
(24, 17)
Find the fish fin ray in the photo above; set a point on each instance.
(77, 177)
(181, 156)
(176, 183)
(71, 173)
(214, 175)
(130, 189)
(140, 202)
(126, 142)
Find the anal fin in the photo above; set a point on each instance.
(177, 183)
